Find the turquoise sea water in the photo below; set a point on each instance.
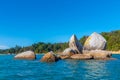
(11, 69)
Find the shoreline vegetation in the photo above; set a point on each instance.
(112, 38)
(113, 52)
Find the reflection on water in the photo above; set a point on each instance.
(95, 70)
(91, 69)
(84, 70)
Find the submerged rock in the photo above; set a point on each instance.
(75, 44)
(95, 42)
(49, 57)
(26, 55)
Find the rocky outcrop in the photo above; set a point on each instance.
(94, 46)
(67, 53)
(81, 56)
(75, 44)
(75, 47)
(93, 49)
(93, 54)
(100, 54)
(49, 57)
(26, 55)
(95, 42)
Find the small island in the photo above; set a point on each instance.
(94, 48)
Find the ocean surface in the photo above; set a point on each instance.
(11, 69)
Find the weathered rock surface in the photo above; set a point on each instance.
(49, 57)
(81, 56)
(100, 54)
(94, 46)
(75, 44)
(67, 53)
(26, 55)
(93, 54)
(95, 42)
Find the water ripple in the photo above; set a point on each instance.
(11, 69)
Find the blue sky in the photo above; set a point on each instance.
(24, 22)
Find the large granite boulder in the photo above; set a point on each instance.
(67, 53)
(26, 55)
(75, 44)
(95, 42)
(81, 56)
(49, 57)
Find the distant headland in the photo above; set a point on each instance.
(93, 48)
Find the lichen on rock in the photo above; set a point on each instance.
(95, 42)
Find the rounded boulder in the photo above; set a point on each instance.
(95, 42)
(26, 55)
(49, 57)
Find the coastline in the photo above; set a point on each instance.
(115, 52)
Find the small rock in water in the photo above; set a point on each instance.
(49, 57)
(26, 55)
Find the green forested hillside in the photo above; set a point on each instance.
(113, 40)
(113, 43)
(38, 48)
